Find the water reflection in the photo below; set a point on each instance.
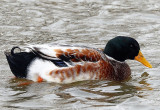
(93, 93)
(87, 91)
(84, 22)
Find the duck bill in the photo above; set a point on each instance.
(141, 59)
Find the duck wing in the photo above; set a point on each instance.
(62, 54)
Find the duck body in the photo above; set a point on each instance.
(66, 64)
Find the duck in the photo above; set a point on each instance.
(70, 63)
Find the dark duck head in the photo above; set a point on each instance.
(122, 48)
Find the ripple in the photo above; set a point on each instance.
(84, 22)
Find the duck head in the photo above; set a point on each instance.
(122, 48)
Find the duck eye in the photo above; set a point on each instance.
(131, 45)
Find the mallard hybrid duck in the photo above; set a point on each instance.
(66, 64)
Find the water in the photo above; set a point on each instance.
(84, 22)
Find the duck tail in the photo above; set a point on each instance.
(18, 62)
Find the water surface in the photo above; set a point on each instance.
(83, 22)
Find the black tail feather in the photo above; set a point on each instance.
(19, 62)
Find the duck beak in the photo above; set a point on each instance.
(141, 59)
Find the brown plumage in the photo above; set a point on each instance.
(95, 65)
(76, 55)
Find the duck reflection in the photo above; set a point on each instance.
(97, 92)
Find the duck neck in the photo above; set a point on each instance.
(122, 70)
(113, 70)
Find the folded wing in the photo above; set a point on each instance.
(67, 54)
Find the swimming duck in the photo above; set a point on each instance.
(67, 63)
